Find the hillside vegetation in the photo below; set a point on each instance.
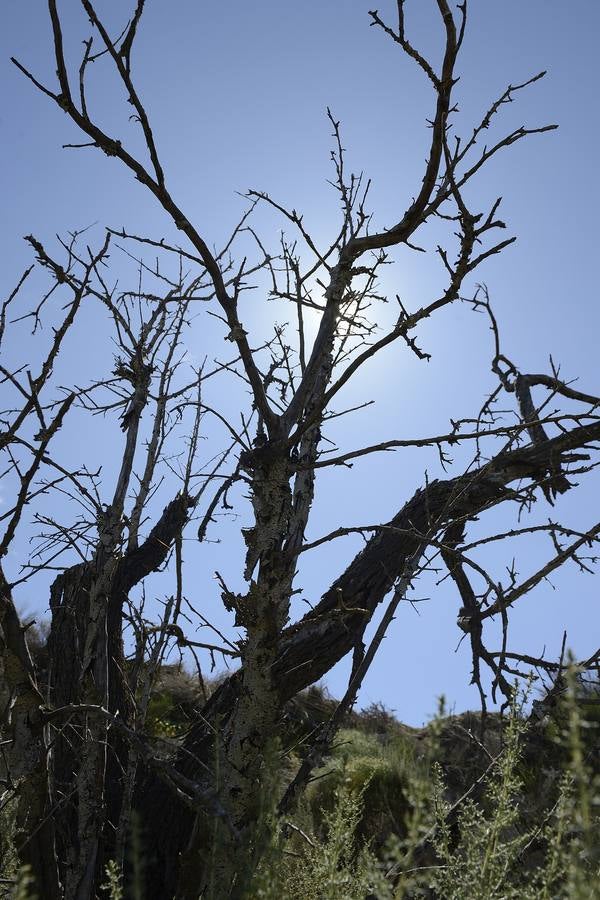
(461, 809)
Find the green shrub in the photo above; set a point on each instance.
(439, 813)
(495, 841)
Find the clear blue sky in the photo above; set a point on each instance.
(237, 94)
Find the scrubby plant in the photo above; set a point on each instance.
(494, 842)
(19, 886)
(113, 886)
(386, 817)
(329, 868)
(362, 765)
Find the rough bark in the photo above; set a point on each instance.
(87, 666)
(21, 723)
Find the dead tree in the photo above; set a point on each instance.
(78, 761)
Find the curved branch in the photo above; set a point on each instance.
(148, 557)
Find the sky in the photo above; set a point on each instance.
(237, 95)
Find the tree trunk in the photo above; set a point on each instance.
(89, 758)
(21, 722)
(87, 666)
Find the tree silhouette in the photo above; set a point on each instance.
(78, 760)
